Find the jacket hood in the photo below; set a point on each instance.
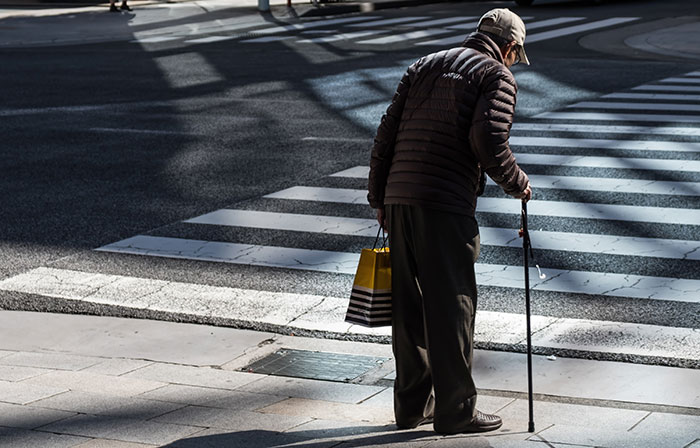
(482, 43)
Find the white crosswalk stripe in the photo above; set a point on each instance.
(606, 129)
(581, 183)
(637, 106)
(490, 236)
(653, 96)
(602, 116)
(686, 89)
(559, 209)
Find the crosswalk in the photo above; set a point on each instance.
(365, 30)
(615, 222)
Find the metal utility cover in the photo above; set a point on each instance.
(315, 365)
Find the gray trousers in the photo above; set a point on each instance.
(433, 303)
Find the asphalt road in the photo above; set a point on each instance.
(105, 141)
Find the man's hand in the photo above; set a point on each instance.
(526, 194)
(381, 218)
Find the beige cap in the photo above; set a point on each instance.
(505, 23)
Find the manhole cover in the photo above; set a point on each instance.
(315, 365)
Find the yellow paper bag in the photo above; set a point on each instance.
(370, 300)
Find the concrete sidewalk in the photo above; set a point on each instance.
(70, 380)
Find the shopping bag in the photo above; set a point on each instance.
(370, 300)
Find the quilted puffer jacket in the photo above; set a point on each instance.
(448, 123)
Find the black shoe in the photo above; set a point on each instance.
(481, 423)
(125, 7)
(113, 8)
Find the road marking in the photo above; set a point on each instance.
(610, 162)
(551, 22)
(337, 37)
(653, 96)
(602, 129)
(681, 80)
(615, 185)
(471, 26)
(310, 25)
(405, 36)
(206, 40)
(639, 145)
(141, 131)
(619, 117)
(558, 209)
(436, 22)
(490, 236)
(325, 313)
(569, 281)
(537, 37)
(387, 21)
(668, 88)
(153, 40)
(636, 106)
(265, 39)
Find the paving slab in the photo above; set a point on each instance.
(22, 393)
(109, 337)
(232, 419)
(194, 376)
(23, 438)
(548, 413)
(109, 405)
(95, 383)
(27, 417)
(313, 389)
(345, 412)
(220, 438)
(582, 378)
(243, 401)
(105, 443)
(123, 429)
(55, 361)
(668, 429)
(19, 373)
(177, 393)
(118, 366)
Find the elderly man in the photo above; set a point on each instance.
(447, 126)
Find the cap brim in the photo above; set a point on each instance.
(523, 56)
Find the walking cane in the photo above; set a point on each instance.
(526, 246)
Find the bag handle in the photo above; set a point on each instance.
(384, 238)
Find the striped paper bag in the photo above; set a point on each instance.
(370, 301)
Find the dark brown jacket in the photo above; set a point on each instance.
(448, 122)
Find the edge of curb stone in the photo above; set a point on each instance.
(17, 301)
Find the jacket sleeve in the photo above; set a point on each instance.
(490, 130)
(383, 149)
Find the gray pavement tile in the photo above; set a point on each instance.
(492, 404)
(695, 444)
(105, 443)
(220, 438)
(22, 393)
(344, 412)
(417, 438)
(113, 405)
(327, 429)
(19, 373)
(54, 361)
(117, 367)
(122, 429)
(243, 401)
(231, 419)
(487, 440)
(672, 429)
(18, 416)
(548, 413)
(384, 398)
(312, 389)
(598, 437)
(177, 393)
(95, 383)
(194, 376)
(23, 438)
(4, 353)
